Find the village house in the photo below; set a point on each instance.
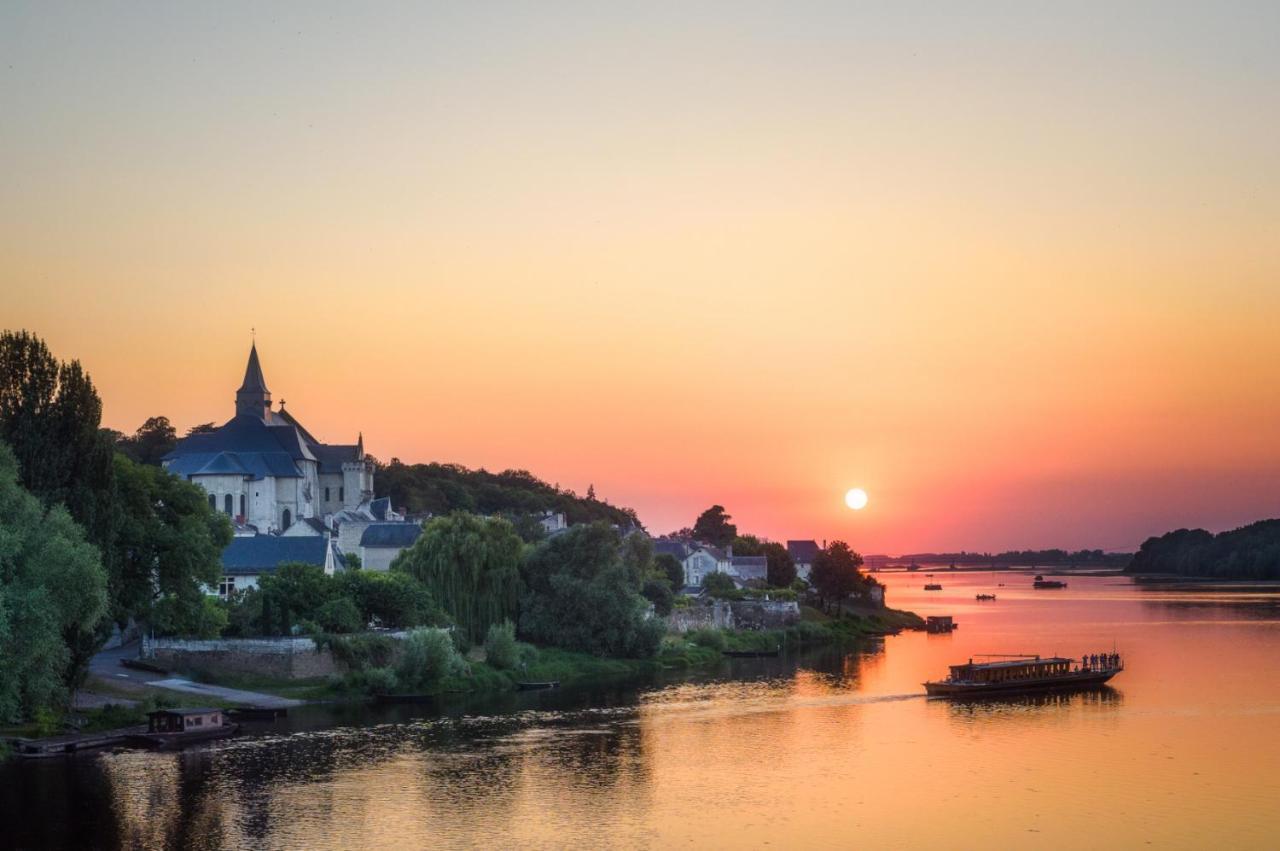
(382, 542)
(802, 554)
(701, 560)
(248, 558)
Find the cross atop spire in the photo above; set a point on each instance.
(253, 397)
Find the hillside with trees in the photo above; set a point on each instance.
(1250, 552)
(445, 488)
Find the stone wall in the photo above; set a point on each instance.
(765, 614)
(716, 616)
(283, 658)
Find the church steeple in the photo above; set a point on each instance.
(253, 398)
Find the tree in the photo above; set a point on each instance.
(202, 428)
(671, 567)
(170, 545)
(471, 566)
(781, 568)
(713, 527)
(591, 493)
(500, 648)
(428, 657)
(151, 442)
(339, 615)
(658, 592)
(53, 590)
(294, 593)
(394, 599)
(719, 584)
(835, 574)
(583, 594)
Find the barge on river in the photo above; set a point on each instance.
(1022, 674)
(169, 729)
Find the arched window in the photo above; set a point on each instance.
(243, 513)
(227, 505)
(213, 501)
(286, 521)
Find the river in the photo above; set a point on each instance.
(822, 749)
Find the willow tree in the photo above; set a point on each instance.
(471, 565)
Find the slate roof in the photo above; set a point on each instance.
(396, 535)
(264, 553)
(672, 548)
(751, 567)
(803, 552)
(380, 507)
(254, 382)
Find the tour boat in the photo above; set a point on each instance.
(985, 597)
(940, 623)
(933, 586)
(1048, 583)
(1017, 674)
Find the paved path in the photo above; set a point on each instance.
(107, 665)
(246, 698)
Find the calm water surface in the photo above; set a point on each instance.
(821, 750)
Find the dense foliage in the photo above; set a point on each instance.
(441, 489)
(1020, 558)
(303, 598)
(500, 647)
(471, 566)
(428, 657)
(780, 566)
(713, 527)
(582, 592)
(835, 574)
(52, 588)
(1250, 552)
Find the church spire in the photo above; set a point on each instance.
(253, 398)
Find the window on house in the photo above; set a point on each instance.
(227, 586)
(228, 505)
(287, 520)
(341, 495)
(243, 513)
(326, 494)
(213, 501)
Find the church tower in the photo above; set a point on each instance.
(253, 398)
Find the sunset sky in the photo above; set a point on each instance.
(1012, 268)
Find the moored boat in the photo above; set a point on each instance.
(1048, 583)
(536, 686)
(933, 586)
(984, 597)
(1020, 674)
(940, 623)
(168, 729)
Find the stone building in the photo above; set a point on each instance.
(265, 470)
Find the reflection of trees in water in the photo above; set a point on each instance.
(56, 803)
(1242, 605)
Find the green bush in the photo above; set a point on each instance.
(658, 592)
(380, 681)
(712, 638)
(339, 615)
(500, 645)
(429, 656)
(360, 652)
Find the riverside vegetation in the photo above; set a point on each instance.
(94, 535)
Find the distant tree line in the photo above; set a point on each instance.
(1022, 558)
(442, 489)
(1250, 552)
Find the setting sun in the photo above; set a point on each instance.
(856, 499)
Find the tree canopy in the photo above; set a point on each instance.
(780, 566)
(53, 589)
(441, 489)
(582, 592)
(835, 573)
(151, 442)
(1250, 552)
(713, 527)
(471, 566)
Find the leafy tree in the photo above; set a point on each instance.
(50, 415)
(1250, 552)
(835, 573)
(202, 428)
(395, 599)
(53, 590)
(670, 567)
(658, 592)
(428, 657)
(170, 545)
(780, 566)
(713, 527)
(582, 594)
(719, 584)
(151, 442)
(471, 566)
(500, 648)
(294, 593)
(339, 615)
(207, 617)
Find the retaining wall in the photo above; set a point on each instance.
(283, 658)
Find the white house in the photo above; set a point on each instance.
(803, 553)
(380, 543)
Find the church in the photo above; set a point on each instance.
(267, 472)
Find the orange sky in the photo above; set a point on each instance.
(1015, 273)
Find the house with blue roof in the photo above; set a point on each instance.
(382, 542)
(247, 559)
(264, 469)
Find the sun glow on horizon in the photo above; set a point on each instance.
(856, 499)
